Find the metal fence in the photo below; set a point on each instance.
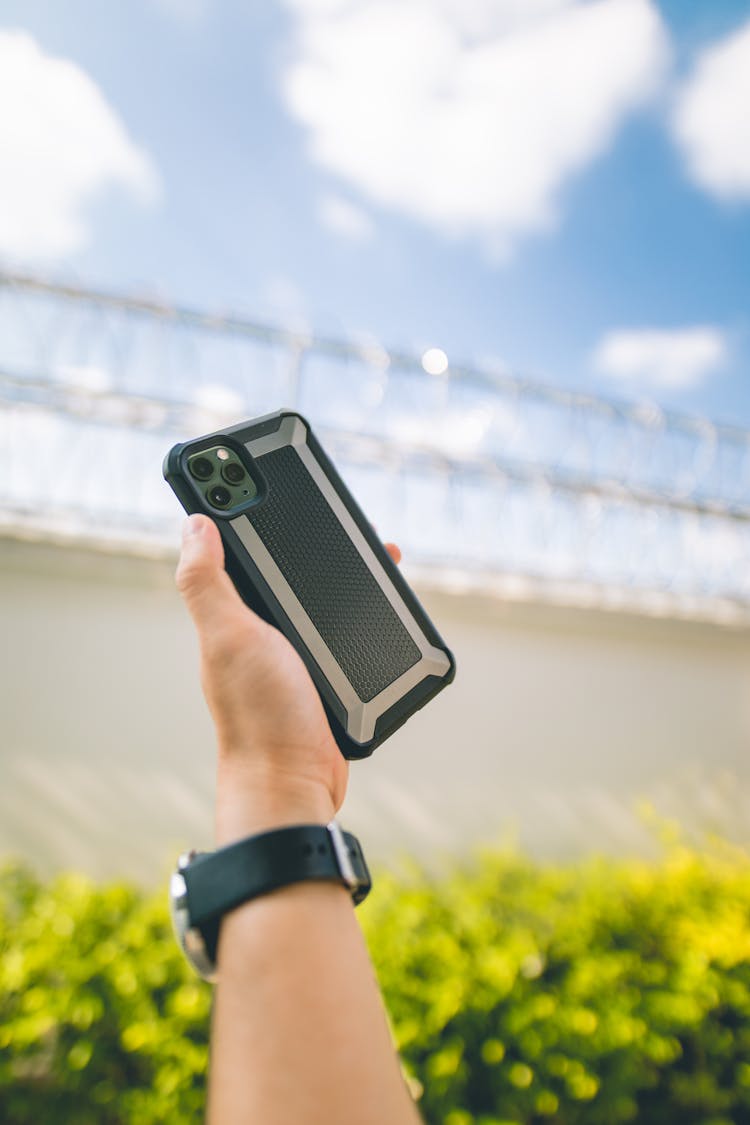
(486, 479)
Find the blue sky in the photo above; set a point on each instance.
(271, 159)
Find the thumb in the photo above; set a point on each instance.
(201, 578)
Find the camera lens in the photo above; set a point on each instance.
(219, 496)
(201, 468)
(233, 472)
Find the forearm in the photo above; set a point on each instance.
(299, 1032)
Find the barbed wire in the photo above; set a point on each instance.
(488, 479)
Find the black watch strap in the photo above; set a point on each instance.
(217, 882)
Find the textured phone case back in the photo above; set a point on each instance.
(330, 579)
(310, 550)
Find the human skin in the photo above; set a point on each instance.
(299, 1032)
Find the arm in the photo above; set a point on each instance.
(299, 1031)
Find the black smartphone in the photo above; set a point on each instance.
(303, 555)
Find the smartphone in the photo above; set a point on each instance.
(303, 555)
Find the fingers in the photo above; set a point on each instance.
(201, 578)
(204, 583)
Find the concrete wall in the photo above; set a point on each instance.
(559, 722)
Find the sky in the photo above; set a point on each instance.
(559, 188)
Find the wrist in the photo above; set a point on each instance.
(252, 799)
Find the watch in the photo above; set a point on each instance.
(206, 885)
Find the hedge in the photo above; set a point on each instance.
(518, 993)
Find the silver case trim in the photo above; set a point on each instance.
(361, 716)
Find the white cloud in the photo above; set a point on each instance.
(345, 218)
(457, 434)
(60, 145)
(712, 117)
(676, 358)
(469, 114)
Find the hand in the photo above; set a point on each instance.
(278, 762)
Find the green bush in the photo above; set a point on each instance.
(603, 993)
(101, 1021)
(518, 993)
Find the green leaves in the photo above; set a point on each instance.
(101, 1020)
(596, 994)
(602, 993)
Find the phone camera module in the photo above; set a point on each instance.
(233, 472)
(219, 496)
(201, 468)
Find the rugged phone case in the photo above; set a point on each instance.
(304, 557)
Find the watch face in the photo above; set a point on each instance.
(178, 907)
(195, 950)
(189, 937)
